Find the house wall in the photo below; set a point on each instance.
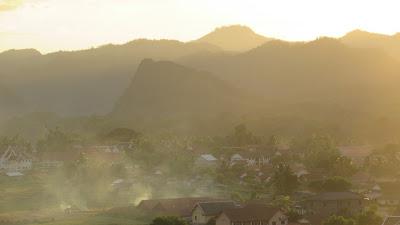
(278, 219)
(198, 216)
(21, 165)
(388, 202)
(335, 206)
(222, 219)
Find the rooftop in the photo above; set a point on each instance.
(214, 208)
(391, 220)
(173, 206)
(251, 212)
(326, 196)
(208, 157)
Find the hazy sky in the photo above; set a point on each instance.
(50, 25)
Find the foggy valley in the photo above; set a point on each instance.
(229, 128)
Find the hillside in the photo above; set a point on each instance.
(162, 90)
(10, 103)
(234, 38)
(87, 81)
(322, 70)
(317, 84)
(363, 39)
(305, 85)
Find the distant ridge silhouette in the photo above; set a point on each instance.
(234, 38)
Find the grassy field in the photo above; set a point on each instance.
(91, 220)
(24, 193)
(26, 200)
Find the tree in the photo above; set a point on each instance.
(55, 141)
(369, 217)
(284, 180)
(343, 166)
(272, 143)
(168, 220)
(120, 135)
(242, 137)
(293, 215)
(320, 152)
(339, 220)
(145, 153)
(331, 184)
(283, 202)
(17, 141)
(384, 161)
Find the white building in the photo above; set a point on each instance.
(206, 160)
(14, 159)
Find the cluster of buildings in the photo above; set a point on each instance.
(314, 209)
(15, 161)
(202, 211)
(249, 158)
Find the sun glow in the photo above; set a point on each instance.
(50, 25)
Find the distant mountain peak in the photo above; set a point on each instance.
(357, 32)
(146, 62)
(234, 29)
(234, 38)
(361, 34)
(326, 41)
(21, 53)
(166, 89)
(363, 39)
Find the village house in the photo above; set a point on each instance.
(203, 212)
(388, 200)
(206, 160)
(181, 207)
(249, 159)
(106, 148)
(357, 153)
(391, 220)
(334, 202)
(362, 178)
(254, 214)
(237, 158)
(299, 170)
(51, 160)
(14, 159)
(385, 194)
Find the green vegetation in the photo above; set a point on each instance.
(284, 180)
(339, 220)
(89, 220)
(321, 153)
(331, 184)
(261, 124)
(369, 217)
(168, 220)
(383, 161)
(25, 193)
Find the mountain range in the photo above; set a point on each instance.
(363, 39)
(231, 71)
(163, 92)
